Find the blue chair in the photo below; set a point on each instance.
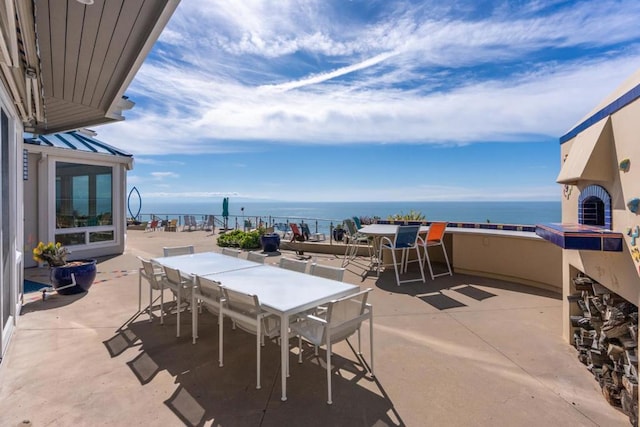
(406, 238)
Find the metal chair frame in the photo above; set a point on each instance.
(405, 239)
(247, 314)
(339, 320)
(435, 237)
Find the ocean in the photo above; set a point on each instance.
(524, 213)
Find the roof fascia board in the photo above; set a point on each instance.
(71, 154)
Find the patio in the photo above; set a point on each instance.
(459, 350)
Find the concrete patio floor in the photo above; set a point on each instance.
(457, 351)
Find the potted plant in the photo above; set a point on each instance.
(270, 242)
(66, 277)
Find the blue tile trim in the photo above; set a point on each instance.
(477, 225)
(579, 237)
(616, 105)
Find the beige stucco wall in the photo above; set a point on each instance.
(517, 257)
(616, 270)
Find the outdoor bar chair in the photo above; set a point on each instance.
(338, 320)
(435, 237)
(405, 239)
(355, 240)
(356, 220)
(178, 250)
(247, 314)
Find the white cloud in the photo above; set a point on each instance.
(190, 194)
(162, 175)
(296, 73)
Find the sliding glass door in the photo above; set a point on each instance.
(7, 291)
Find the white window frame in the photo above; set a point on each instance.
(116, 215)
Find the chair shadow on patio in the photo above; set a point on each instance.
(227, 396)
(457, 291)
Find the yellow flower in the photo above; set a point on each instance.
(52, 253)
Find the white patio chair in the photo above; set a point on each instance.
(327, 271)
(435, 237)
(406, 238)
(207, 294)
(178, 250)
(247, 314)
(231, 252)
(154, 274)
(293, 264)
(181, 289)
(341, 319)
(256, 257)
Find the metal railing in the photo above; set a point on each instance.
(249, 222)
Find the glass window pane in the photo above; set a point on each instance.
(70, 239)
(103, 199)
(84, 195)
(101, 236)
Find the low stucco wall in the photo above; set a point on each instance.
(519, 257)
(514, 256)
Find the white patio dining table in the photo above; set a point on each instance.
(200, 264)
(204, 263)
(284, 293)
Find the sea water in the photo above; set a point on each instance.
(525, 213)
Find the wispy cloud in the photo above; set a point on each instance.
(190, 194)
(313, 73)
(162, 175)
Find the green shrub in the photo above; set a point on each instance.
(240, 239)
(411, 216)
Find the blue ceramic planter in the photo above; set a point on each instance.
(270, 242)
(84, 272)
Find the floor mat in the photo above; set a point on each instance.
(441, 301)
(475, 293)
(30, 286)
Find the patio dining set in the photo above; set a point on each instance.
(267, 301)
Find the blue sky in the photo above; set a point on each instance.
(376, 100)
